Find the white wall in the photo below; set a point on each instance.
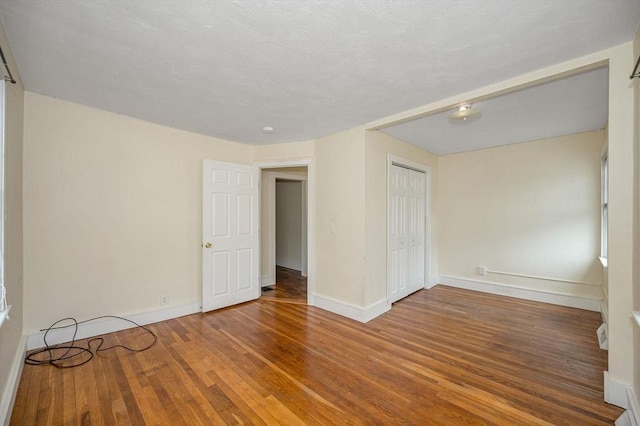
(340, 201)
(529, 208)
(284, 152)
(622, 222)
(11, 347)
(289, 224)
(113, 211)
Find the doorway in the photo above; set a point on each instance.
(284, 234)
(290, 224)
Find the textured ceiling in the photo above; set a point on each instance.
(306, 68)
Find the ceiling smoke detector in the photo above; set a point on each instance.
(465, 114)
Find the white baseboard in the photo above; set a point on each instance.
(11, 387)
(266, 280)
(615, 392)
(634, 406)
(288, 263)
(109, 325)
(522, 293)
(631, 417)
(354, 312)
(625, 419)
(431, 282)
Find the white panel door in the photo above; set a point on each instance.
(230, 234)
(396, 269)
(415, 230)
(406, 232)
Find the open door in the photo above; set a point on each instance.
(230, 234)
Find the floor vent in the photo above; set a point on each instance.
(602, 336)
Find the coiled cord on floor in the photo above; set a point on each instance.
(58, 355)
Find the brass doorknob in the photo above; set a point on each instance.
(207, 245)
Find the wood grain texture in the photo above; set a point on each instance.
(290, 287)
(443, 356)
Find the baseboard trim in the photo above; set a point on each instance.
(625, 419)
(11, 387)
(357, 313)
(631, 417)
(431, 282)
(615, 392)
(522, 293)
(634, 406)
(290, 264)
(110, 325)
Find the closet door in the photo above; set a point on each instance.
(406, 232)
(396, 268)
(415, 231)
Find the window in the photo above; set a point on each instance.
(604, 213)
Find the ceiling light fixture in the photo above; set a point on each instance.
(465, 114)
(268, 130)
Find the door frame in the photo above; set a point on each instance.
(309, 208)
(412, 165)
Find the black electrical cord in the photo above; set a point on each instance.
(59, 354)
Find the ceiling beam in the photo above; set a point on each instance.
(544, 75)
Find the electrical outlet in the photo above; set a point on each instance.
(482, 270)
(164, 299)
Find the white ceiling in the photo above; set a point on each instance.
(562, 107)
(306, 68)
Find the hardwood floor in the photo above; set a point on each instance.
(440, 357)
(291, 287)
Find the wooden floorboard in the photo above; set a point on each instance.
(290, 287)
(442, 356)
